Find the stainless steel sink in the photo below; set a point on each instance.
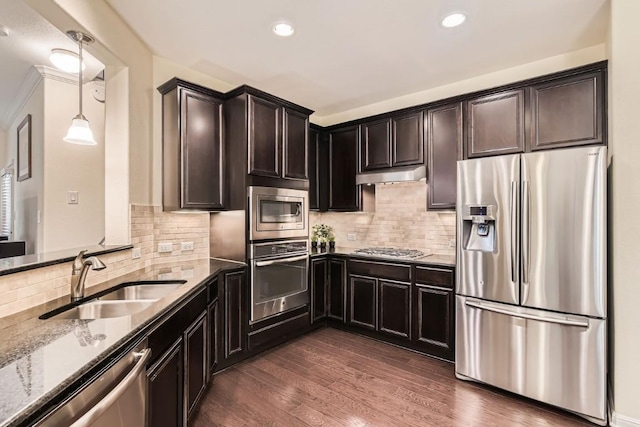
(141, 292)
(104, 309)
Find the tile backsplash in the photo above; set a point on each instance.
(400, 220)
(149, 226)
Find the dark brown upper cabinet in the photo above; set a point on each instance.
(265, 127)
(295, 144)
(444, 145)
(314, 169)
(567, 112)
(495, 124)
(407, 140)
(376, 145)
(344, 194)
(193, 160)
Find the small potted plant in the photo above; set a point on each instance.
(322, 234)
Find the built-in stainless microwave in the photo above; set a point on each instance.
(278, 213)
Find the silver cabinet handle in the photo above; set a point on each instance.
(280, 261)
(514, 228)
(96, 411)
(566, 321)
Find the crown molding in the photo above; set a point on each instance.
(55, 74)
(24, 93)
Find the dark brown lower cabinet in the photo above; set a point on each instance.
(363, 302)
(233, 304)
(395, 308)
(212, 339)
(165, 386)
(319, 272)
(195, 356)
(434, 320)
(337, 289)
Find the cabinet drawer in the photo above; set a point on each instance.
(399, 272)
(172, 328)
(435, 276)
(278, 332)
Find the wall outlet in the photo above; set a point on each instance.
(187, 274)
(165, 276)
(352, 237)
(452, 243)
(165, 247)
(187, 246)
(136, 253)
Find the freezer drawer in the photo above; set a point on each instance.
(553, 358)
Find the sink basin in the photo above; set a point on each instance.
(104, 309)
(141, 292)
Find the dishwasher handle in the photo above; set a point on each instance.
(99, 408)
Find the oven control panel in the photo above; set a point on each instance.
(276, 249)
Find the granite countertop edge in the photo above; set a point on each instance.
(161, 308)
(432, 260)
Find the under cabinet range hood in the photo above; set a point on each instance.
(397, 174)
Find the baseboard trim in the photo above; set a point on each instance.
(618, 420)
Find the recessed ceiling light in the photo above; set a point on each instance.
(65, 60)
(453, 20)
(283, 29)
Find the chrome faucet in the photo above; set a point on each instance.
(79, 273)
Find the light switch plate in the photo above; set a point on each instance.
(165, 247)
(187, 246)
(351, 237)
(187, 274)
(165, 276)
(136, 253)
(452, 243)
(72, 197)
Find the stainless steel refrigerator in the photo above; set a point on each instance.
(531, 286)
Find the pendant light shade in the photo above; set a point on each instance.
(80, 132)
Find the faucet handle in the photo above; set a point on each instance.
(78, 262)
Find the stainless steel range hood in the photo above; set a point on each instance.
(398, 174)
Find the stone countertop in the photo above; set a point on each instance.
(438, 260)
(40, 358)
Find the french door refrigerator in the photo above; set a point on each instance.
(531, 287)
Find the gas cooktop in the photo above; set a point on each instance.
(391, 252)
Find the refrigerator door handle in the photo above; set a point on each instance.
(525, 239)
(557, 320)
(514, 229)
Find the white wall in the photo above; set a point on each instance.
(28, 193)
(72, 167)
(624, 137)
(3, 148)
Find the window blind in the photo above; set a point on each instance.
(6, 204)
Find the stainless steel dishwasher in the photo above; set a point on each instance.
(117, 398)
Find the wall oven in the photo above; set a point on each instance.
(279, 280)
(278, 213)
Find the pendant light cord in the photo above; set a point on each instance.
(80, 37)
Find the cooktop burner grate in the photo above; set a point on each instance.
(391, 252)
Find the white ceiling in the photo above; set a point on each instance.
(29, 43)
(350, 53)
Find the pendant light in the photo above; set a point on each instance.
(80, 132)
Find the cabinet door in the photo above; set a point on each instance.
(363, 301)
(265, 137)
(434, 322)
(567, 112)
(495, 124)
(395, 308)
(314, 169)
(195, 356)
(337, 289)
(165, 385)
(212, 338)
(344, 194)
(294, 144)
(202, 151)
(444, 142)
(376, 145)
(407, 140)
(318, 289)
(234, 333)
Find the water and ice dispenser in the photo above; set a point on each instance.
(479, 228)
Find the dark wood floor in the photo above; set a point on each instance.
(333, 378)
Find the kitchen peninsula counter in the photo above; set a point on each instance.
(42, 360)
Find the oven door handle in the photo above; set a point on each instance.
(280, 261)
